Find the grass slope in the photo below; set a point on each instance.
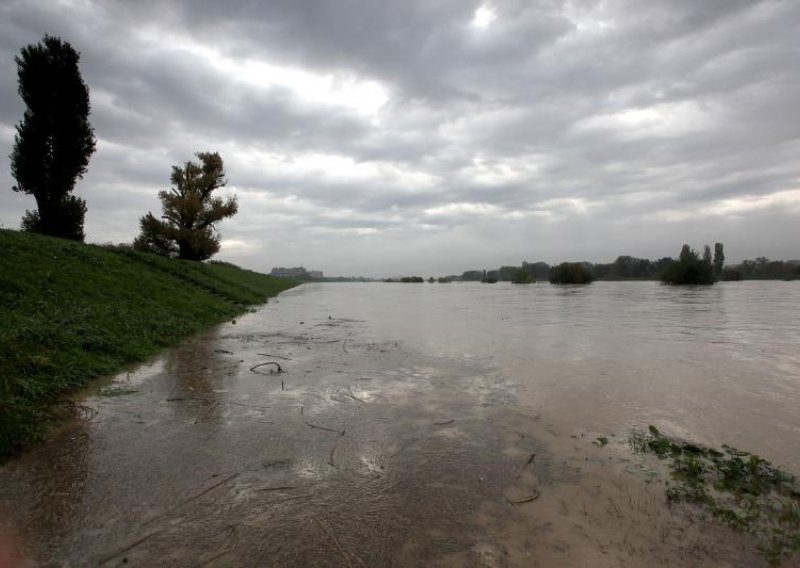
(71, 312)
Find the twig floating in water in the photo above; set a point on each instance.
(339, 548)
(305, 341)
(194, 497)
(259, 421)
(126, 548)
(330, 456)
(237, 403)
(526, 464)
(533, 497)
(354, 397)
(273, 356)
(277, 365)
(340, 432)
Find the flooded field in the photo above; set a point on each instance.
(421, 424)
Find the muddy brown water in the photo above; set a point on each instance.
(419, 425)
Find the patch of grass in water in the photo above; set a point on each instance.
(738, 488)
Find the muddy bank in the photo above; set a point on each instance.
(363, 451)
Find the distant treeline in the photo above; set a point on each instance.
(632, 268)
(763, 268)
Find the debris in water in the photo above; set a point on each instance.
(533, 497)
(278, 370)
(526, 464)
(317, 427)
(273, 356)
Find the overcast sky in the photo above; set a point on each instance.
(436, 136)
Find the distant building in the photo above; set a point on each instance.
(297, 272)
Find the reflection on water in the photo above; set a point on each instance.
(421, 424)
(720, 364)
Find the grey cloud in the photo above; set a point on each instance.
(627, 122)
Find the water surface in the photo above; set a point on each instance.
(720, 363)
(420, 424)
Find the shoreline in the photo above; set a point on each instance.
(78, 313)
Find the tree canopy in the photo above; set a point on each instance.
(54, 141)
(190, 211)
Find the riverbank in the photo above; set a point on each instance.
(74, 312)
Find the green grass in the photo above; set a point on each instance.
(73, 312)
(737, 488)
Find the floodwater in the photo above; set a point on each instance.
(420, 425)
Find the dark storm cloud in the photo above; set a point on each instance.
(363, 136)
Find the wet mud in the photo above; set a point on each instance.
(344, 450)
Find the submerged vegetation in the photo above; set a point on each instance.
(570, 273)
(521, 276)
(739, 489)
(75, 312)
(690, 268)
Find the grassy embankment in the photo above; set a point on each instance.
(70, 313)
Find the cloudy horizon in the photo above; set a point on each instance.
(417, 137)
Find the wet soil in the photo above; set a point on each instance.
(348, 451)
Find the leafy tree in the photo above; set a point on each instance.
(570, 273)
(54, 141)
(689, 268)
(719, 260)
(190, 211)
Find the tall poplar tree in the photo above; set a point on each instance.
(719, 260)
(54, 141)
